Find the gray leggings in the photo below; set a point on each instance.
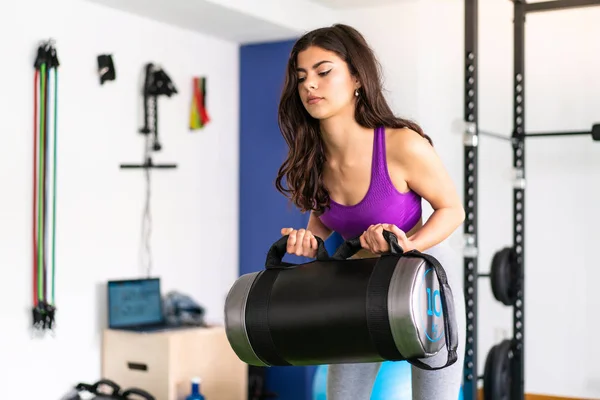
(355, 381)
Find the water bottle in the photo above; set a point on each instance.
(195, 395)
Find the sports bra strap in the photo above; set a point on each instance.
(379, 163)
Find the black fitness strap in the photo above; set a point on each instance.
(257, 322)
(450, 327)
(378, 319)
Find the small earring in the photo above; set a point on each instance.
(356, 92)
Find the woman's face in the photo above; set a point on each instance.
(325, 84)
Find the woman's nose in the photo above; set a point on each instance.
(310, 84)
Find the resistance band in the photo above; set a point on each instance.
(44, 185)
(198, 115)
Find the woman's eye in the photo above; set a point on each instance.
(324, 73)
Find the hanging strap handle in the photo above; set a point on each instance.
(278, 251)
(352, 246)
(450, 324)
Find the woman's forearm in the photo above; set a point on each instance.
(441, 224)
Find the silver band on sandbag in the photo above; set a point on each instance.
(407, 308)
(235, 319)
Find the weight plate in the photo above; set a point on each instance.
(497, 374)
(488, 373)
(498, 275)
(502, 276)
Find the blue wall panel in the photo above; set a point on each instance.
(263, 210)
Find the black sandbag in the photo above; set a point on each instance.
(341, 310)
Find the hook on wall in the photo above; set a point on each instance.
(156, 83)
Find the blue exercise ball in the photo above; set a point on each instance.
(319, 387)
(393, 382)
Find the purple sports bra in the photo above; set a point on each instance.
(383, 203)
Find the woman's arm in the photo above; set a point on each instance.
(426, 175)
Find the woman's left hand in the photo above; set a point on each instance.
(372, 239)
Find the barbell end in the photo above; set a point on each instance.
(596, 132)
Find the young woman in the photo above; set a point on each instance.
(358, 169)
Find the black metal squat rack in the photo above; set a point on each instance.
(506, 358)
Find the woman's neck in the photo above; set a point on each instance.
(343, 138)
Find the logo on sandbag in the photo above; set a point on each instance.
(430, 305)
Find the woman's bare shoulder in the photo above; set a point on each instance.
(403, 145)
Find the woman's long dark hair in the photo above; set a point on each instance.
(303, 167)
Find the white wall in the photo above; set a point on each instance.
(194, 208)
(422, 46)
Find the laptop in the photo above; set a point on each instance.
(136, 305)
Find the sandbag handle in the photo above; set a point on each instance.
(137, 392)
(114, 386)
(352, 246)
(450, 323)
(278, 251)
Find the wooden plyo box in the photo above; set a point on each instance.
(163, 363)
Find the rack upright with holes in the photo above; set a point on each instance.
(470, 199)
(471, 141)
(517, 140)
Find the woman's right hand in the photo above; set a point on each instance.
(301, 242)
